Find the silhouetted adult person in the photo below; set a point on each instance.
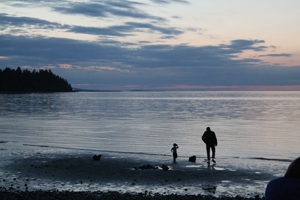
(210, 139)
(287, 187)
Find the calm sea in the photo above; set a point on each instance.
(261, 125)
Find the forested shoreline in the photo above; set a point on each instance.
(25, 81)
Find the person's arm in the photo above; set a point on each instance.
(216, 141)
(204, 138)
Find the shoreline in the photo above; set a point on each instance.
(10, 194)
(117, 174)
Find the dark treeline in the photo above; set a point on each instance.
(25, 81)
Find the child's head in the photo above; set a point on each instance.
(174, 144)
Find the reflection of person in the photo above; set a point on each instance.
(210, 139)
(287, 187)
(174, 150)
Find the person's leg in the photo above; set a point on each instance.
(174, 157)
(208, 152)
(213, 149)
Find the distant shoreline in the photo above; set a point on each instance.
(83, 90)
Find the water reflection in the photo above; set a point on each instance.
(211, 166)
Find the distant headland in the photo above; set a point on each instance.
(25, 81)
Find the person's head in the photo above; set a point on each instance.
(293, 170)
(174, 144)
(208, 128)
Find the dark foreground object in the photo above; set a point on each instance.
(68, 195)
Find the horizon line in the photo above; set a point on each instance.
(199, 88)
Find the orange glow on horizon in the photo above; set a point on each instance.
(235, 88)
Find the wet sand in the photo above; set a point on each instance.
(79, 174)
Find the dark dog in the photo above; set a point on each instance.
(192, 159)
(95, 157)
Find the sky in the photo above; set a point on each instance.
(156, 44)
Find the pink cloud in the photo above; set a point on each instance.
(78, 85)
(68, 66)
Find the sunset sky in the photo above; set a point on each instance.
(156, 44)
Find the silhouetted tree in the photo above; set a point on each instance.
(24, 81)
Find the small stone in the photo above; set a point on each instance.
(165, 167)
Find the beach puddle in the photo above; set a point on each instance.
(226, 181)
(193, 166)
(219, 169)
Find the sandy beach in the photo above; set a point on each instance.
(122, 174)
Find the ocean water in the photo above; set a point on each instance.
(255, 130)
(247, 124)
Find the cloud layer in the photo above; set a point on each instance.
(107, 58)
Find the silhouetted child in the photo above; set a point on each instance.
(174, 150)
